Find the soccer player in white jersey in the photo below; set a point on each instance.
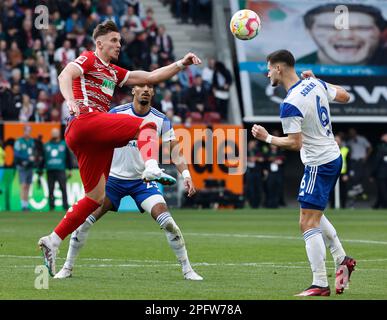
(125, 178)
(306, 120)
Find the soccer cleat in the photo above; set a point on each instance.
(64, 273)
(166, 179)
(49, 254)
(343, 274)
(157, 174)
(315, 291)
(192, 275)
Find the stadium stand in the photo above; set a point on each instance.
(31, 59)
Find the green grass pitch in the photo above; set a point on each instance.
(242, 254)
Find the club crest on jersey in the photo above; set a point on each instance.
(107, 87)
(81, 59)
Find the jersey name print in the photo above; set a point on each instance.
(306, 109)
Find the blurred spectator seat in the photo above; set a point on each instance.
(212, 117)
(196, 117)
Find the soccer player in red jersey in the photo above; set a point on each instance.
(87, 85)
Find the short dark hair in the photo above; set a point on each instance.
(284, 56)
(104, 28)
(372, 11)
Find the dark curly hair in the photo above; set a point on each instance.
(104, 28)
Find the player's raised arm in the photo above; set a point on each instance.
(65, 79)
(162, 74)
(293, 141)
(342, 95)
(335, 92)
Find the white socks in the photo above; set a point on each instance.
(77, 241)
(56, 240)
(332, 241)
(316, 252)
(175, 239)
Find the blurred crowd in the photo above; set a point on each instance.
(363, 165)
(31, 58)
(191, 11)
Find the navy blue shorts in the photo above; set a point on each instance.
(317, 184)
(116, 189)
(25, 175)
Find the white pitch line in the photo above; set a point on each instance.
(203, 264)
(250, 264)
(135, 262)
(262, 236)
(89, 259)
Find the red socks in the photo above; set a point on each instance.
(75, 216)
(148, 142)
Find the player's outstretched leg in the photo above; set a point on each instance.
(344, 264)
(316, 252)
(148, 145)
(73, 218)
(177, 244)
(77, 241)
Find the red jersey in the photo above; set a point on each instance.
(94, 89)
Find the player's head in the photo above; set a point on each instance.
(279, 64)
(27, 130)
(107, 39)
(143, 94)
(55, 133)
(353, 45)
(352, 133)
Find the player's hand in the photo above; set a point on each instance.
(307, 74)
(189, 187)
(190, 58)
(73, 108)
(259, 132)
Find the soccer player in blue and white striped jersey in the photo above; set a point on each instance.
(306, 119)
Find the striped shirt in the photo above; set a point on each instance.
(93, 90)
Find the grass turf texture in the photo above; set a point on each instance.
(242, 254)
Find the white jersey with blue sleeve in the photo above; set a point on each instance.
(306, 109)
(127, 162)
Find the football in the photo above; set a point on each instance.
(245, 24)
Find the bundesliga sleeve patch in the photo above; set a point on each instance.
(81, 59)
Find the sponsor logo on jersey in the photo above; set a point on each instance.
(107, 87)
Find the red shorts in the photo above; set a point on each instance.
(93, 137)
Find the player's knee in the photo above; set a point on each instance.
(158, 209)
(308, 221)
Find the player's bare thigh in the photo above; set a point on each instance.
(309, 218)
